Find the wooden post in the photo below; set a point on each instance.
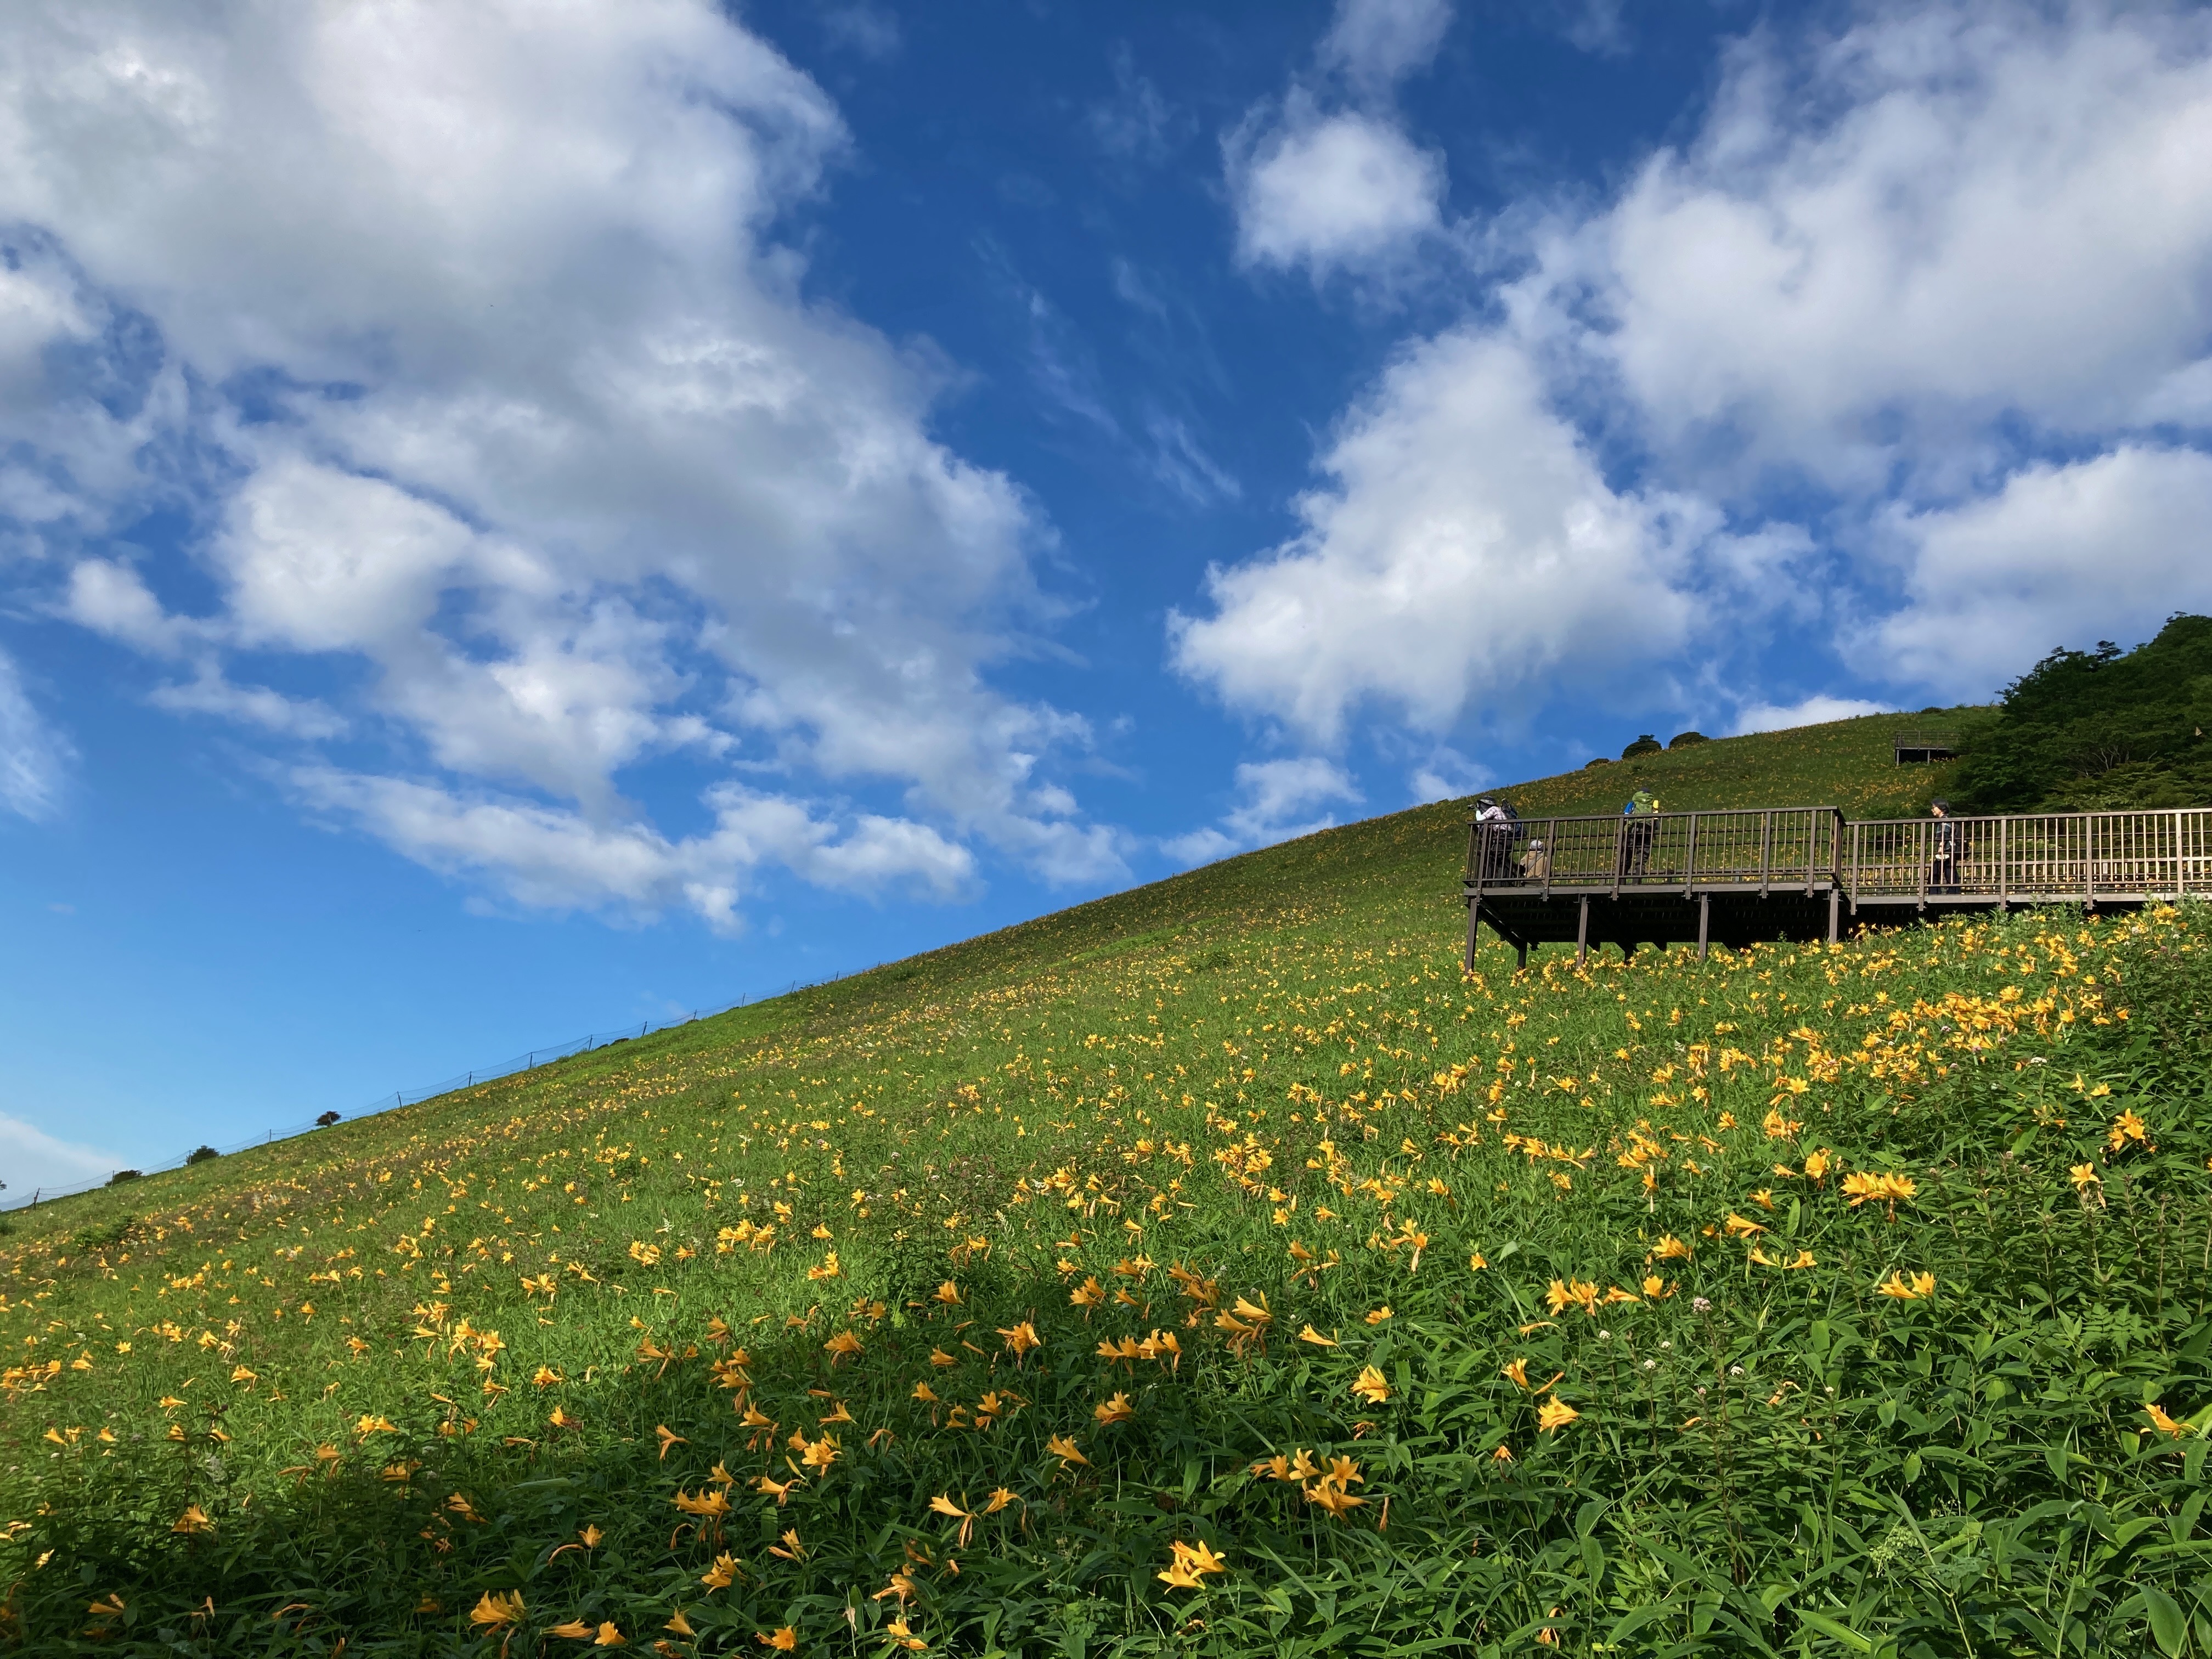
(1473, 913)
(1835, 905)
(1704, 919)
(1581, 933)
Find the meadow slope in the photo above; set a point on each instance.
(1210, 1268)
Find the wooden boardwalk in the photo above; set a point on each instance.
(1796, 872)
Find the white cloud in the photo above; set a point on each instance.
(1325, 191)
(306, 718)
(1894, 272)
(2061, 556)
(30, 1158)
(564, 455)
(1816, 710)
(1447, 775)
(553, 857)
(1378, 42)
(1467, 543)
(34, 758)
(1943, 216)
(1276, 800)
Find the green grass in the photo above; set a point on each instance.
(1264, 1082)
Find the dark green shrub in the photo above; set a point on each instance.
(1685, 740)
(201, 1154)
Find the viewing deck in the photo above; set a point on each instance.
(1739, 877)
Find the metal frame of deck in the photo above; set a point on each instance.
(1739, 877)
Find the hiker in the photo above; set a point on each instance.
(1638, 833)
(1536, 863)
(1943, 849)
(1499, 826)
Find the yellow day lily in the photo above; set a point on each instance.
(497, 1608)
(1115, 1410)
(1372, 1386)
(783, 1641)
(722, 1573)
(1064, 1449)
(1555, 1414)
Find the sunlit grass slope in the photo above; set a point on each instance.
(1212, 1268)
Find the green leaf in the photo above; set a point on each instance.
(1834, 1630)
(2168, 1628)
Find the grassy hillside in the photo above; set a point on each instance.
(1210, 1269)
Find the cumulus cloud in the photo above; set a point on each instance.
(2060, 555)
(1907, 347)
(1276, 801)
(1331, 190)
(1813, 711)
(1941, 217)
(552, 441)
(1467, 541)
(34, 758)
(30, 1158)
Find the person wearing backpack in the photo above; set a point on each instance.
(1640, 831)
(1498, 826)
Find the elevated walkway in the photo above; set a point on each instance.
(1799, 873)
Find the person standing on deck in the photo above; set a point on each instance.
(1943, 849)
(1637, 834)
(1497, 827)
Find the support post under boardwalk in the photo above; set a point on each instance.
(1582, 935)
(1705, 921)
(1474, 914)
(1835, 904)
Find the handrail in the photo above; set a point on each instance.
(2005, 859)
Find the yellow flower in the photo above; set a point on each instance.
(573, 1629)
(1064, 1449)
(1379, 1314)
(1657, 1288)
(2125, 1127)
(1740, 1227)
(1021, 1338)
(2084, 1176)
(2166, 1424)
(783, 1641)
(680, 1625)
(668, 1437)
(939, 1358)
(1817, 1164)
(1896, 1286)
(1372, 1386)
(1555, 1414)
(1503, 1455)
(1802, 1259)
(1188, 1564)
(720, 1576)
(194, 1519)
(497, 1608)
(840, 1345)
(948, 1293)
(1670, 1249)
(1518, 1372)
(1115, 1410)
(1310, 1334)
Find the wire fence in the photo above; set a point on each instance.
(530, 1060)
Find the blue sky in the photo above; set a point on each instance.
(516, 520)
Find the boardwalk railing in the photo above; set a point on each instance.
(1775, 848)
(2029, 859)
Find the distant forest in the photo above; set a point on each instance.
(2095, 731)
